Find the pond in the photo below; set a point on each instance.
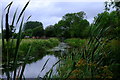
(33, 70)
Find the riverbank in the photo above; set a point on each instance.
(76, 61)
(53, 54)
(35, 49)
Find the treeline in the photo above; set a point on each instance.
(75, 25)
(72, 25)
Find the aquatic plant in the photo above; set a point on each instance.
(9, 46)
(89, 60)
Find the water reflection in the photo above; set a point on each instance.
(33, 70)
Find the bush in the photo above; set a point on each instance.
(114, 57)
(39, 47)
(76, 42)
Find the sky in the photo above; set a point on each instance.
(50, 12)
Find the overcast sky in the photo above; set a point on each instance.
(50, 12)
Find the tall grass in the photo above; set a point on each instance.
(7, 42)
(13, 50)
(90, 60)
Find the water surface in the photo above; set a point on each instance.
(34, 69)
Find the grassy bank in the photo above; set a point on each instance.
(37, 48)
(76, 42)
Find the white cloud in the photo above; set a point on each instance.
(50, 20)
(0, 16)
(50, 12)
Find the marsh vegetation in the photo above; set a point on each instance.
(81, 50)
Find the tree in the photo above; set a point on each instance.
(72, 25)
(28, 32)
(33, 28)
(80, 29)
(32, 25)
(50, 31)
(38, 31)
(114, 4)
(109, 19)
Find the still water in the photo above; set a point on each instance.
(33, 70)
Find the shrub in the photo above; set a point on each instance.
(76, 42)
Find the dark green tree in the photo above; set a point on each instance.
(72, 25)
(50, 31)
(38, 31)
(33, 28)
(32, 25)
(110, 19)
(28, 32)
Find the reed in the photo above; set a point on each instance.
(8, 45)
(88, 60)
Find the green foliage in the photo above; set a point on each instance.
(80, 29)
(76, 42)
(110, 19)
(94, 59)
(39, 47)
(38, 31)
(71, 25)
(50, 31)
(32, 25)
(71, 17)
(9, 46)
(28, 32)
(32, 28)
(114, 46)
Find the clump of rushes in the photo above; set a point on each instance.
(90, 59)
(9, 46)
